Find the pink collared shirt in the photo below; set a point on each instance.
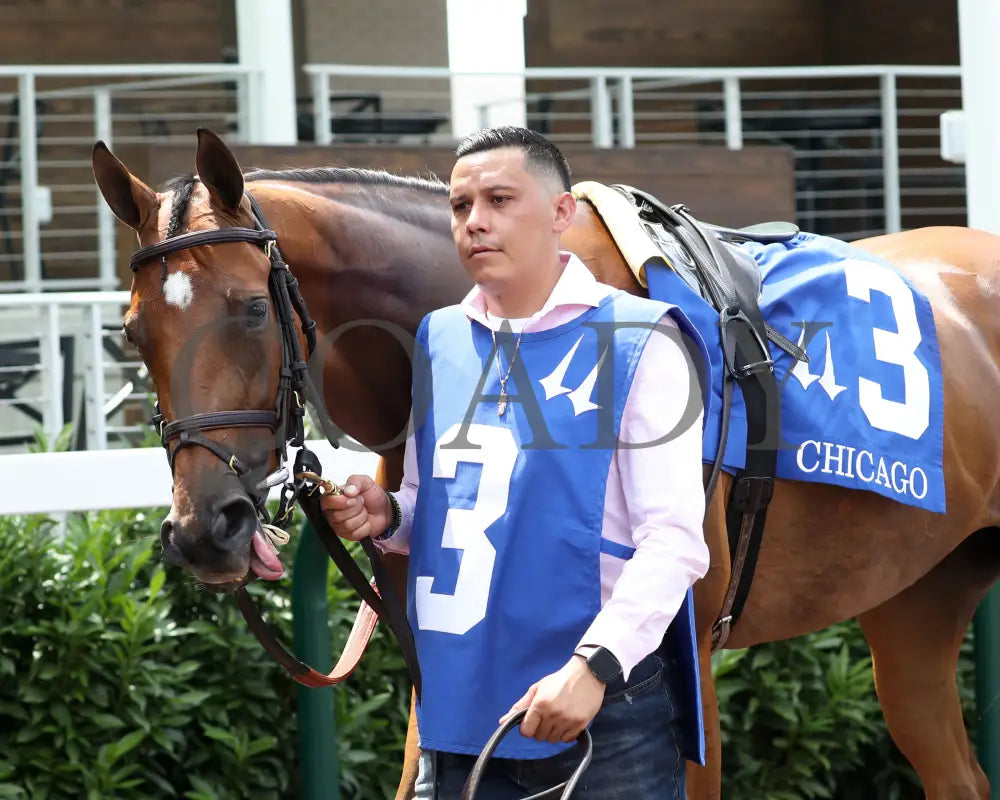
(654, 500)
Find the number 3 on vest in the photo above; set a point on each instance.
(465, 528)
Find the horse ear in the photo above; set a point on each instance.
(219, 170)
(129, 198)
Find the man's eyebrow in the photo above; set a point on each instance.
(492, 187)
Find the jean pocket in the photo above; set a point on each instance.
(646, 676)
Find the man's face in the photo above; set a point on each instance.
(504, 219)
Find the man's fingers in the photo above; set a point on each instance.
(359, 533)
(352, 523)
(357, 484)
(524, 702)
(529, 725)
(342, 515)
(572, 734)
(547, 723)
(336, 502)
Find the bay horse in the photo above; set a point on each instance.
(367, 245)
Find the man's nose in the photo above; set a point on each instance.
(478, 219)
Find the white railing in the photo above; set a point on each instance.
(35, 332)
(866, 144)
(51, 483)
(865, 138)
(56, 129)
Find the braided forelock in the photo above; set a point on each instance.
(182, 186)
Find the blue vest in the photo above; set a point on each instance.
(504, 573)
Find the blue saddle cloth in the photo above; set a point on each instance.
(867, 411)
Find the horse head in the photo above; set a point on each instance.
(203, 316)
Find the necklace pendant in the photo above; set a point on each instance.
(502, 405)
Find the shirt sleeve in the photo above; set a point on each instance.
(399, 542)
(662, 485)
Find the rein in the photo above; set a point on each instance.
(563, 791)
(303, 484)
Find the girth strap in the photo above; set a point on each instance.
(744, 336)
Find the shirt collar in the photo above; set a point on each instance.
(576, 286)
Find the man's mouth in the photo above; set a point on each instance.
(480, 249)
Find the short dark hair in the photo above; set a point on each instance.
(539, 153)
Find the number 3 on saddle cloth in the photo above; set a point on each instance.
(866, 412)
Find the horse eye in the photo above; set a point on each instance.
(256, 313)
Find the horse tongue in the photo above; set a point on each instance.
(264, 561)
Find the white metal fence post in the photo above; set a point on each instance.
(321, 107)
(890, 153)
(52, 374)
(626, 113)
(600, 110)
(30, 230)
(105, 219)
(97, 437)
(733, 107)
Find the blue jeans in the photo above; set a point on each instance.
(636, 752)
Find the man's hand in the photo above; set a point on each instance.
(362, 510)
(560, 705)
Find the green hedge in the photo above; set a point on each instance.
(122, 679)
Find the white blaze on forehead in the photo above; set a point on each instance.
(177, 290)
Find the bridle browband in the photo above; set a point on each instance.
(287, 420)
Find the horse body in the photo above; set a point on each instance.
(827, 555)
(382, 252)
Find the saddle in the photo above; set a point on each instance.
(710, 261)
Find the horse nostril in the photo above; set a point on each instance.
(168, 542)
(234, 524)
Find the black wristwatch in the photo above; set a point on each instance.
(602, 663)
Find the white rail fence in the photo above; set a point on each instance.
(866, 138)
(866, 142)
(51, 219)
(64, 359)
(52, 483)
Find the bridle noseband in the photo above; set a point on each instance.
(287, 418)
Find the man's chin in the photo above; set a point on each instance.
(490, 269)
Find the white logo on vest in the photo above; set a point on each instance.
(580, 397)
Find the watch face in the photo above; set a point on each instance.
(604, 665)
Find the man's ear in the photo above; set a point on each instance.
(565, 212)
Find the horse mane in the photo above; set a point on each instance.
(183, 185)
(375, 177)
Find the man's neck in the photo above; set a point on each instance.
(520, 302)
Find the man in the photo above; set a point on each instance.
(547, 557)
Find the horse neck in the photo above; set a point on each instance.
(371, 262)
(365, 250)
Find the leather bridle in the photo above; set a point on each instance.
(287, 421)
